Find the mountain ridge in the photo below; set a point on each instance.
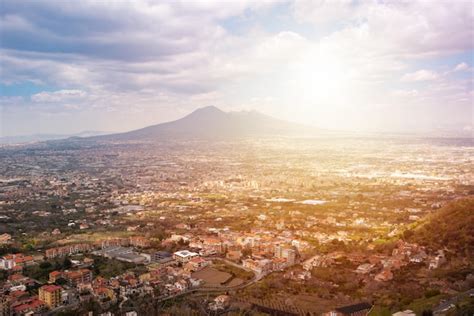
(211, 122)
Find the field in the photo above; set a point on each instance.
(212, 277)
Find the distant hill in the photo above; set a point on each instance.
(211, 122)
(452, 227)
(22, 139)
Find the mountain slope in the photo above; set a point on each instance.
(46, 137)
(451, 227)
(211, 122)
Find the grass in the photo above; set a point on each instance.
(421, 304)
(380, 311)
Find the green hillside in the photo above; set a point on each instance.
(451, 227)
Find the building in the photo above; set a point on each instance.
(10, 261)
(122, 253)
(76, 277)
(290, 255)
(258, 266)
(437, 261)
(278, 251)
(50, 295)
(54, 276)
(221, 302)
(365, 268)
(184, 256)
(384, 275)
(67, 250)
(160, 256)
(5, 238)
(29, 306)
(196, 264)
(139, 241)
(360, 309)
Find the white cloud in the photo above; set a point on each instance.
(406, 93)
(58, 96)
(157, 61)
(420, 75)
(408, 28)
(461, 67)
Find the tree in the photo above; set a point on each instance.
(45, 265)
(67, 264)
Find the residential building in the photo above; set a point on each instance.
(50, 295)
(183, 256)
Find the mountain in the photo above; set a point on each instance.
(451, 227)
(211, 122)
(22, 139)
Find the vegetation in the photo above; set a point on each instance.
(450, 227)
(41, 271)
(108, 268)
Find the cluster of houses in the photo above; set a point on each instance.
(170, 274)
(381, 267)
(16, 262)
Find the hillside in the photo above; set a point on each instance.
(451, 227)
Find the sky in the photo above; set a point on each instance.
(353, 65)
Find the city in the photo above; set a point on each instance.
(237, 158)
(295, 226)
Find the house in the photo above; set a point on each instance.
(77, 277)
(181, 285)
(10, 261)
(437, 261)
(196, 264)
(5, 238)
(258, 266)
(221, 302)
(365, 268)
(28, 307)
(212, 245)
(54, 276)
(279, 264)
(183, 256)
(385, 275)
(360, 309)
(419, 257)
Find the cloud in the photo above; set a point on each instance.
(406, 93)
(58, 96)
(407, 28)
(420, 75)
(461, 67)
(150, 61)
(322, 12)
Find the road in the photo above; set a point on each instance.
(448, 304)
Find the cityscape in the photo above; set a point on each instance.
(282, 226)
(236, 158)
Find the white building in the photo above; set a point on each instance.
(184, 256)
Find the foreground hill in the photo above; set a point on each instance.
(211, 122)
(451, 227)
